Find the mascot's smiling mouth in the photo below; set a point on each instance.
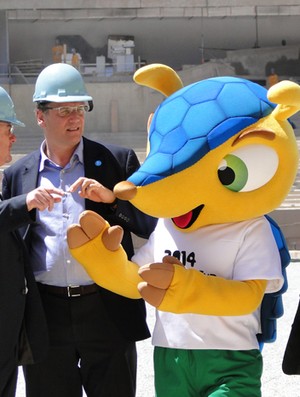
(185, 221)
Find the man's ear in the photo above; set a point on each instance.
(39, 117)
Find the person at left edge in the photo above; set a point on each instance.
(23, 331)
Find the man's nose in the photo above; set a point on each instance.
(13, 138)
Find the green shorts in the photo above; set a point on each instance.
(207, 373)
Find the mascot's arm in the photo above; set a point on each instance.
(97, 247)
(190, 291)
(109, 269)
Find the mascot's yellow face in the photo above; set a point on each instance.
(222, 173)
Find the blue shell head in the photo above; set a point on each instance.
(197, 119)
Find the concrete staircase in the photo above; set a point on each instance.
(25, 72)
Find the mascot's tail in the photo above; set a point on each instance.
(272, 304)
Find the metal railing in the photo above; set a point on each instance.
(26, 72)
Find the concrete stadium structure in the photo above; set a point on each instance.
(215, 37)
(170, 31)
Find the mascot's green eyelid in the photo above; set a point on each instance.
(241, 170)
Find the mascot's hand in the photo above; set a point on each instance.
(96, 245)
(170, 287)
(158, 278)
(90, 226)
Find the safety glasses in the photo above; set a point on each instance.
(7, 127)
(64, 111)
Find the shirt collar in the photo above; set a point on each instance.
(76, 156)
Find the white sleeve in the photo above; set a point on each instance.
(258, 256)
(145, 253)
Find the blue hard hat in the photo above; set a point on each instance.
(7, 109)
(60, 82)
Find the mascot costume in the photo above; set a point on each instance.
(222, 154)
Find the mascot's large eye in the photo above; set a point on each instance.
(248, 168)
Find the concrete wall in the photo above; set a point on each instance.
(259, 61)
(175, 41)
(125, 107)
(174, 32)
(118, 107)
(146, 8)
(122, 104)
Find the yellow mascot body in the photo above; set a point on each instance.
(222, 154)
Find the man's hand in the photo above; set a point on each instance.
(43, 198)
(92, 190)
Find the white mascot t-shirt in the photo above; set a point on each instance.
(235, 251)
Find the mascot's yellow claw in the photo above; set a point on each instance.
(112, 237)
(172, 260)
(159, 275)
(92, 223)
(76, 237)
(151, 294)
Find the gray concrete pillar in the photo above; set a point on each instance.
(4, 46)
(114, 115)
